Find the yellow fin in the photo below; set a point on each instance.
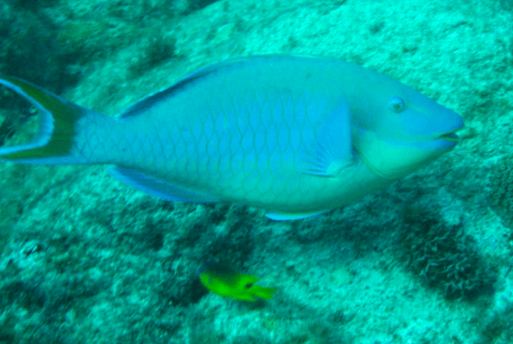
(54, 141)
(262, 292)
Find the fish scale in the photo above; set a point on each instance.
(263, 131)
(294, 135)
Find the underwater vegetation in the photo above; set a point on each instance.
(445, 257)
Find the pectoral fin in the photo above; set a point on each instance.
(330, 150)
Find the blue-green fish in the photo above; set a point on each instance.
(296, 136)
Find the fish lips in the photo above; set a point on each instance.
(444, 141)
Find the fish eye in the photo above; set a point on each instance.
(396, 104)
(209, 280)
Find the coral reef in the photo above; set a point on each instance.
(444, 256)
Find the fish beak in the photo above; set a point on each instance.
(464, 134)
(450, 138)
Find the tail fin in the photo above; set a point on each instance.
(58, 118)
(249, 281)
(263, 292)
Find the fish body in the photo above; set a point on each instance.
(296, 136)
(225, 281)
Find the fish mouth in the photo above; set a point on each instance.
(463, 134)
(449, 139)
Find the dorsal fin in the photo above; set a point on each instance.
(147, 102)
(150, 100)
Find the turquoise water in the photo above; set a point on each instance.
(85, 259)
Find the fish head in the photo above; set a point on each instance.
(397, 130)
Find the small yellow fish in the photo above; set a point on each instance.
(225, 281)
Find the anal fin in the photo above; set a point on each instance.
(158, 188)
(293, 216)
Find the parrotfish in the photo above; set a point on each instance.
(225, 281)
(294, 135)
